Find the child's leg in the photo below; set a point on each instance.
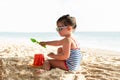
(46, 65)
(58, 64)
(55, 63)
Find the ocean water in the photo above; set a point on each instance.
(102, 40)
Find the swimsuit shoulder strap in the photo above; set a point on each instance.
(76, 43)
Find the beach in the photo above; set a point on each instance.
(16, 58)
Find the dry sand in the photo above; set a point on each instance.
(96, 64)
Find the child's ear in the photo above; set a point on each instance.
(69, 28)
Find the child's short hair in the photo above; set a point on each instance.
(68, 20)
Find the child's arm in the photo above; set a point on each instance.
(66, 50)
(52, 43)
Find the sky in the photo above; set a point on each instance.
(41, 15)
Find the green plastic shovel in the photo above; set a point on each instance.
(35, 41)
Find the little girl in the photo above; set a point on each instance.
(68, 56)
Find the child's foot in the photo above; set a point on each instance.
(46, 65)
(40, 71)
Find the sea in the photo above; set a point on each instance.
(99, 40)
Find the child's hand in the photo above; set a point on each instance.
(42, 44)
(51, 54)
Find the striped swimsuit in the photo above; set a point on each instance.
(73, 62)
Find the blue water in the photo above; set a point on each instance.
(102, 40)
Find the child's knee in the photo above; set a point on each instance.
(59, 50)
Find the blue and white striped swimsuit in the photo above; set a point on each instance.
(73, 62)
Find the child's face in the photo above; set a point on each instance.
(62, 29)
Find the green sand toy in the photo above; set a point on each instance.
(35, 41)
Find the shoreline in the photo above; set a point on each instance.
(100, 40)
(101, 51)
(96, 63)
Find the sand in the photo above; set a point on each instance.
(15, 60)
